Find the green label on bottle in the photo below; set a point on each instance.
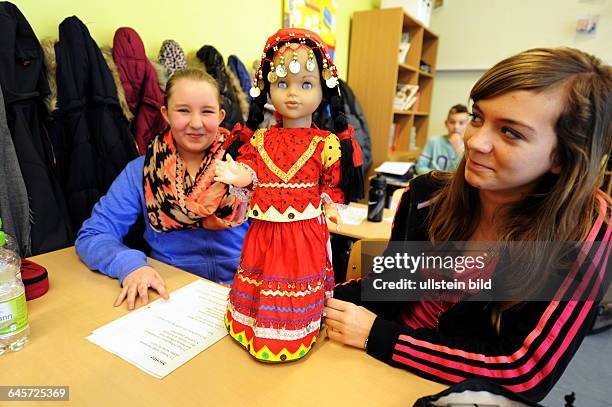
(13, 315)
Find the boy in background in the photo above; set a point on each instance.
(445, 152)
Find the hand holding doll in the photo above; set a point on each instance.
(332, 214)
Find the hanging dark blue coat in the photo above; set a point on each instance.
(24, 86)
(94, 136)
(236, 65)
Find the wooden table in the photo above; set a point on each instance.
(366, 229)
(80, 301)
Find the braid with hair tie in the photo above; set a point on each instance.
(256, 116)
(336, 104)
(352, 182)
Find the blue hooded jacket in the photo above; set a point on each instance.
(211, 254)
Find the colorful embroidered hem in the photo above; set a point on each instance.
(276, 302)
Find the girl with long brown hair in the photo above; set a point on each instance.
(535, 154)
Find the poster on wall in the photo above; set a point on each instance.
(315, 15)
(587, 24)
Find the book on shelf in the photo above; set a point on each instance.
(412, 145)
(416, 106)
(405, 96)
(424, 67)
(404, 47)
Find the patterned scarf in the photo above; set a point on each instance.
(175, 201)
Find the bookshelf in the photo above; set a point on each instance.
(375, 71)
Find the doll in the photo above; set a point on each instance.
(296, 176)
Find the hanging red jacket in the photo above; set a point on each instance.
(140, 84)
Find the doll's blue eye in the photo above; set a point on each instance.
(307, 85)
(282, 85)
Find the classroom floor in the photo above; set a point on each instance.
(589, 375)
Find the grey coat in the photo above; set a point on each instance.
(14, 207)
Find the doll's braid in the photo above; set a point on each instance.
(352, 177)
(332, 97)
(256, 111)
(351, 183)
(336, 105)
(256, 116)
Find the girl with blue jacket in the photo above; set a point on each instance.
(189, 218)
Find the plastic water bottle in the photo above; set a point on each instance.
(14, 326)
(10, 243)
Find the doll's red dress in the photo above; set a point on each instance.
(285, 272)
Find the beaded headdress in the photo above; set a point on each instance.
(284, 37)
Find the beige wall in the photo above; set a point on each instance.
(238, 27)
(475, 34)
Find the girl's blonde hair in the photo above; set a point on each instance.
(195, 74)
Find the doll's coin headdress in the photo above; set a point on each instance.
(288, 62)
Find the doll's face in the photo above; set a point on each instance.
(296, 96)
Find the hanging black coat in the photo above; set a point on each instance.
(215, 66)
(24, 85)
(94, 136)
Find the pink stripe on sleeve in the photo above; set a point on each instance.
(605, 247)
(547, 313)
(542, 349)
(427, 369)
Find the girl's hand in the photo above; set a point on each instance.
(333, 215)
(137, 283)
(348, 323)
(229, 172)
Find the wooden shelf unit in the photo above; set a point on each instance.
(374, 72)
